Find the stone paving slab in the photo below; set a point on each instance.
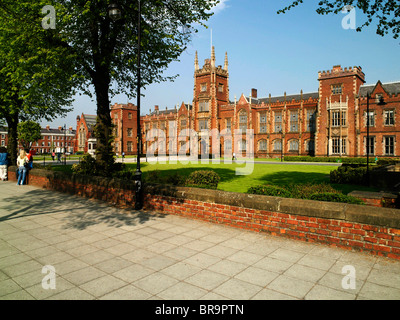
(101, 252)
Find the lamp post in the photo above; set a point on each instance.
(115, 14)
(281, 132)
(138, 173)
(65, 143)
(368, 142)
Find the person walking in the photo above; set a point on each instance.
(53, 155)
(3, 163)
(22, 162)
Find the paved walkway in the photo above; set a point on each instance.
(101, 252)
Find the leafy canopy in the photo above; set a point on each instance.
(386, 13)
(28, 133)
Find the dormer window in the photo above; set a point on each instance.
(378, 98)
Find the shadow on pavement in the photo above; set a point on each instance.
(77, 213)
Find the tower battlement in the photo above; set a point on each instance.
(337, 72)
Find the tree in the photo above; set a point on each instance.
(28, 133)
(386, 13)
(36, 79)
(105, 50)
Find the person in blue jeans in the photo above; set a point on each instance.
(22, 160)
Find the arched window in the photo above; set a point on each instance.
(242, 145)
(228, 145)
(262, 145)
(294, 145)
(278, 145)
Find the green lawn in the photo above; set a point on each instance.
(275, 174)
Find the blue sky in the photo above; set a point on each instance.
(270, 52)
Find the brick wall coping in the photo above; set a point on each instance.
(384, 217)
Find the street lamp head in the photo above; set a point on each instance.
(114, 12)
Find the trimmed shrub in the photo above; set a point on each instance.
(86, 166)
(320, 192)
(175, 179)
(268, 190)
(387, 161)
(335, 197)
(358, 161)
(124, 174)
(203, 179)
(349, 175)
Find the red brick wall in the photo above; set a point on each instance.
(347, 235)
(375, 239)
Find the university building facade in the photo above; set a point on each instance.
(329, 122)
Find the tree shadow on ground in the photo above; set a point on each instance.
(77, 212)
(226, 175)
(284, 178)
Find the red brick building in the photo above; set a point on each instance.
(124, 119)
(84, 140)
(53, 139)
(328, 122)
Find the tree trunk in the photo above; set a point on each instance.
(12, 144)
(103, 129)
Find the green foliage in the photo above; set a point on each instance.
(88, 50)
(355, 161)
(124, 174)
(28, 133)
(384, 14)
(321, 192)
(154, 176)
(303, 191)
(203, 178)
(175, 179)
(269, 190)
(387, 161)
(87, 166)
(349, 175)
(335, 197)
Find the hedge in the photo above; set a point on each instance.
(349, 175)
(320, 192)
(203, 179)
(328, 159)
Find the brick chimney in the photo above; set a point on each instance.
(254, 93)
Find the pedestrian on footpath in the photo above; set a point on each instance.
(22, 162)
(53, 155)
(3, 163)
